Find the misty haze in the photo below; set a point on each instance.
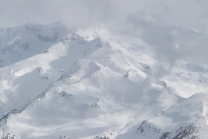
(103, 69)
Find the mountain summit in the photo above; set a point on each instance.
(95, 83)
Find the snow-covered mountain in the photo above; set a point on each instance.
(95, 83)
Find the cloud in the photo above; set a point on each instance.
(147, 19)
(175, 29)
(189, 13)
(73, 12)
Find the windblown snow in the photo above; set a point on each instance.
(94, 83)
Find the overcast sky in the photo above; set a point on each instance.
(189, 13)
(119, 15)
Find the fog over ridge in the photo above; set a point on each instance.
(186, 13)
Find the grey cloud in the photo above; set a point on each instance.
(150, 20)
(189, 13)
(72, 12)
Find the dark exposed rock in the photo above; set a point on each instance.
(187, 132)
(162, 83)
(165, 135)
(146, 68)
(95, 106)
(127, 74)
(97, 137)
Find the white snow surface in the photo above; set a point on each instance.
(94, 83)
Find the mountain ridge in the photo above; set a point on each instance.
(94, 84)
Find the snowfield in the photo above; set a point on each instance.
(95, 83)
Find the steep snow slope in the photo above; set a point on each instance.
(97, 84)
(187, 119)
(25, 41)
